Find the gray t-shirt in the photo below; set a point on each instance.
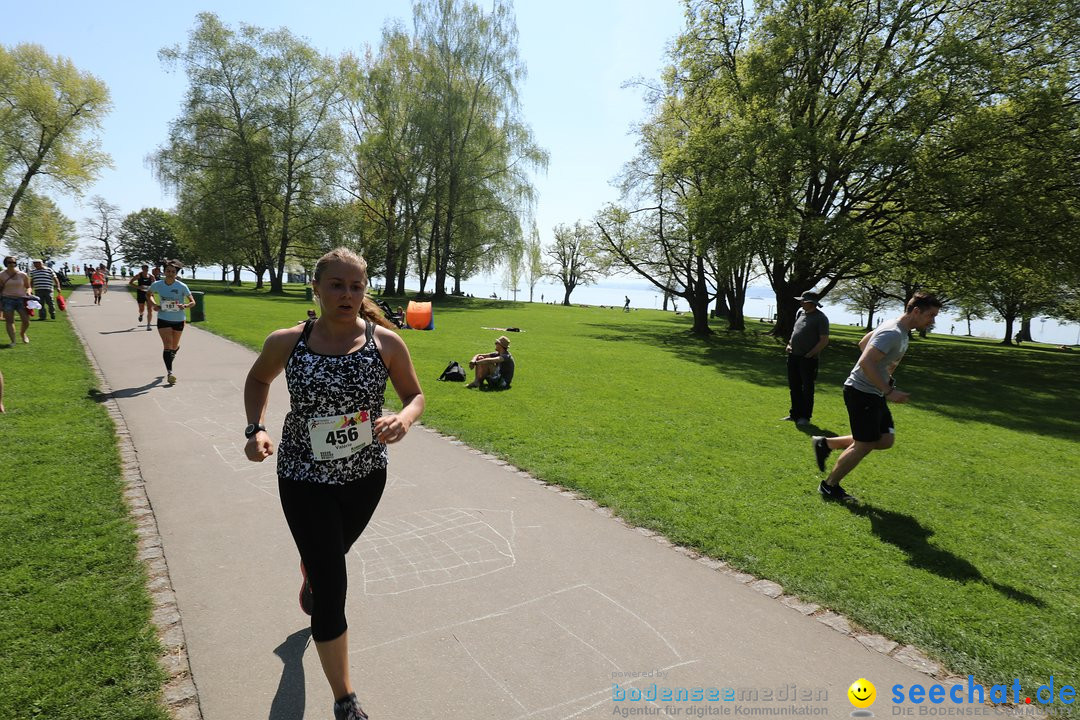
(890, 339)
(809, 329)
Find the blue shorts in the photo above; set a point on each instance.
(14, 304)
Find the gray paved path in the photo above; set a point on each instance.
(475, 592)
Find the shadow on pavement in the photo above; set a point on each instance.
(907, 534)
(98, 396)
(290, 698)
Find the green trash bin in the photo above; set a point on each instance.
(198, 313)
(308, 294)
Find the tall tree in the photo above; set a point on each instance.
(148, 236)
(40, 230)
(534, 261)
(515, 267)
(656, 233)
(102, 227)
(866, 294)
(831, 102)
(50, 114)
(471, 71)
(390, 167)
(257, 120)
(573, 258)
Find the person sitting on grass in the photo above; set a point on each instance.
(496, 369)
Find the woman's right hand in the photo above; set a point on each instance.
(259, 447)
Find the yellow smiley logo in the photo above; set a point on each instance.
(862, 693)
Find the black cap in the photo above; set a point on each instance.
(809, 296)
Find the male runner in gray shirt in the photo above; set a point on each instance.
(867, 391)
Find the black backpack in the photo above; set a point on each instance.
(453, 372)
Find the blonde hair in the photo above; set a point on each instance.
(368, 309)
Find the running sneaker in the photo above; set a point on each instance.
(147, 327)
(821, 450)
(140, 318)
(834, 492)
(307, 602)
(349, 709)
(171, 379)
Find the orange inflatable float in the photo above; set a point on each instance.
(420, 316)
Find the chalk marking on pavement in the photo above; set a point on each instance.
(490, 676)
(431, 548)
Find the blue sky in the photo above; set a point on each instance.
(578, 55)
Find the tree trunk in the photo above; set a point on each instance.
(698, 299)
(721, 308)
(869, 319)
(569, 289)
(1009, 320)
(786, 309)
(699, 307)
(236, 275)
(391, 248)
(1025, 330)
(736, 319)
(736, 304)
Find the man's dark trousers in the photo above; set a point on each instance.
(801, 374)
(46, 301)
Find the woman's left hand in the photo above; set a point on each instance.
(390, 429)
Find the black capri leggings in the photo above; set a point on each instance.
(325, 521)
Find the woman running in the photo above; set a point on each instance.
(142, 283)
(98, 280)
(332, 460)
(173, 298)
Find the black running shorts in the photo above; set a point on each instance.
(868, 414)
(170, 325)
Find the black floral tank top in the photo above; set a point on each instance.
(325, 386)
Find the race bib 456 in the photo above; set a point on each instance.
(339, 436)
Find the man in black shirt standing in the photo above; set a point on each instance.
(808, 339)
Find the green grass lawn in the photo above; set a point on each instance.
(964, 543)
(75, 636)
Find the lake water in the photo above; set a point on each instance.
(760, 303)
